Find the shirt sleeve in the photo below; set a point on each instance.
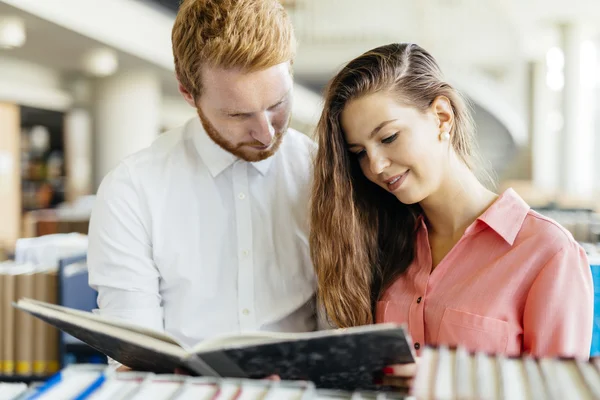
(120, 263)
(558, 315)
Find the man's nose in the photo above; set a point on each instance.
(264, 131)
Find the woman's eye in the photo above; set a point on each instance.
(360, 154)
(390, 139)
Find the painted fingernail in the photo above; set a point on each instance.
(388, 370)
(378, 381)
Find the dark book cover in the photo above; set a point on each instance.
(134, 355)
(346, 360)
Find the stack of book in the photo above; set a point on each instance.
(445, 373)
(92, 383)
(53, 221)
(28, 346)
(442, 374)
(10, 391)
(342, 359)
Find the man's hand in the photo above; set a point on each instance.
(272, 378)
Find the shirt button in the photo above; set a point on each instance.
(241, 196)
(245, 253)
(417, 346)
(419, 300)
(245, 311)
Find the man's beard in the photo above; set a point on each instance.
(242, 150)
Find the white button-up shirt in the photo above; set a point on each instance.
(188, 239)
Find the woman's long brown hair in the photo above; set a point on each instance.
(362, 238)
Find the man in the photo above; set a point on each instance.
(205, 232)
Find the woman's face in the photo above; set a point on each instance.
(399, 148)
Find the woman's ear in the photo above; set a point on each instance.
(442, 108)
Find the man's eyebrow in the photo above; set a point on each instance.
(282, 98)
(230, 111)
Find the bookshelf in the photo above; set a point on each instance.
(9, 175)
(42, 158)
(42, 348)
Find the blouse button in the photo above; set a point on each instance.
(417, 346)
(419, 300)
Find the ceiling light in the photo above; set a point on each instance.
(12, 32)
(101, 62)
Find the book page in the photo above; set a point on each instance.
(69, 386)
(227, 391)
(196, 391)
(253, 392)
(115, 389)
(98, 324)
(570, 380)
(104, 320)
(283, 393)
(465, 374)
(445, 374)
(488, 387)
(590, 376)
(12, 390)
(423, 386)
(514, 383)
(534, 378)
(263, 337)
(158, 389)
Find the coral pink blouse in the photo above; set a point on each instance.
(516, 282)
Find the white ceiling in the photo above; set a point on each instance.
(61, 49)
(494, 36)
(488, 34)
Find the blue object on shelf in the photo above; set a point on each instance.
(595, 266)
(75, 292)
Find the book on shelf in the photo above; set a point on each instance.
(93, 383)
(27, 346)
(445, 373)
(338, 358)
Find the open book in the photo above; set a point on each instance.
(346, 359)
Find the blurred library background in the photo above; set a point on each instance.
(84, 83)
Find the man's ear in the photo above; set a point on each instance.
(186, 95)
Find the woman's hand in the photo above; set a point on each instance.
(399, 375)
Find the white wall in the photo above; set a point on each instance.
(32, 85)
(174, 112)
(127, 117)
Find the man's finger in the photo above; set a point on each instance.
(179, 371)
(273, 378)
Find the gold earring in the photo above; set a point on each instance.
(445, 136)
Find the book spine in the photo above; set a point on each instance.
(8, 296)
(24, 334)
(40, 362)
(52, 354)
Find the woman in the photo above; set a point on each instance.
(403, 231)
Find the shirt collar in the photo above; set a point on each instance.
(506, 215)
(214, 157)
